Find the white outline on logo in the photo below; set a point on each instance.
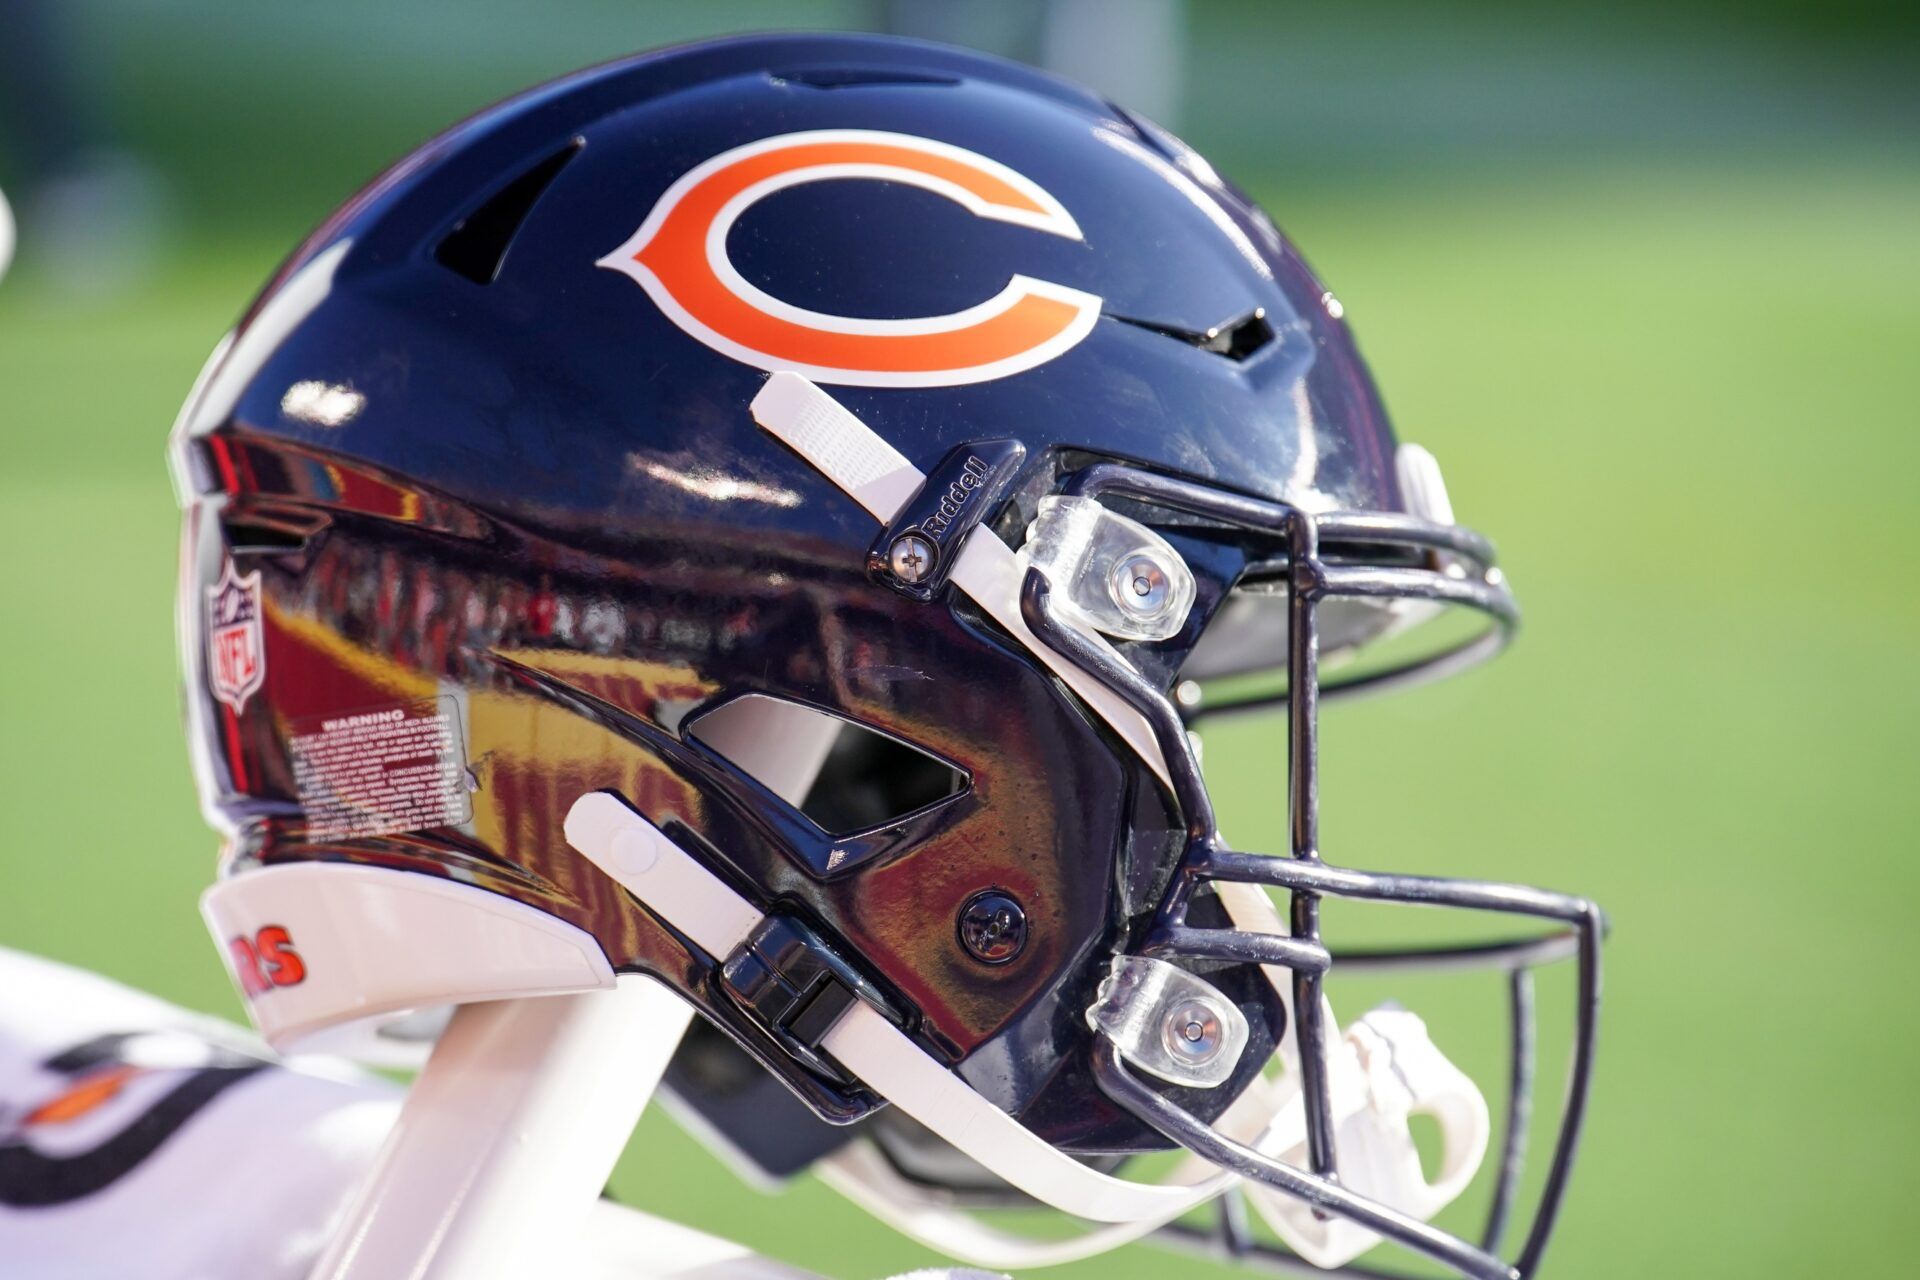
(1051, 218)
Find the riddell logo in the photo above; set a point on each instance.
(973, 473)
(266, 960)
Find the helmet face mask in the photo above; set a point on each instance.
(1459, 571)
(899, 679)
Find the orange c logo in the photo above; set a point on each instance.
(679, 256)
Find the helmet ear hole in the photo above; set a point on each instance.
(845, 777)
(870, 780)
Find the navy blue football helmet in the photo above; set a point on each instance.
(768, 515)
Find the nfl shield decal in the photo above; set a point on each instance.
(236, 659)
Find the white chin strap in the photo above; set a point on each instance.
(1384, 1070)
(672, 883)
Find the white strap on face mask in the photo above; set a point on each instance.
(899, 1070)
(640, 857)
(863, 1175)
(873, 473)
(929, 1214)
(1383, 1071)
(840, 446)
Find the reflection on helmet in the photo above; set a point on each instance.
(532, 541)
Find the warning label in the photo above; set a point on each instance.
(382, 771)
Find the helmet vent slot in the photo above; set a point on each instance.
(270, 532)
(843, 776)
(1237, 340)
(478, 243)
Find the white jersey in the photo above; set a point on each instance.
(138, 1139)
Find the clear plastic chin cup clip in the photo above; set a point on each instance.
(1110, 574)
(1169, 1023)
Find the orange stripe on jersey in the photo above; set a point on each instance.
(82, 1096)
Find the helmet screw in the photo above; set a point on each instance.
(1192, 1032)
(1140, 586)
(911, 558)
(993, 927)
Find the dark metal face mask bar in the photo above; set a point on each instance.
(1459, 571)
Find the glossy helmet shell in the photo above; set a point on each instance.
(472, 465)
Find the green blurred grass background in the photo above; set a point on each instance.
(1648, 283)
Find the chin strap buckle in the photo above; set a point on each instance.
(786, 978)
